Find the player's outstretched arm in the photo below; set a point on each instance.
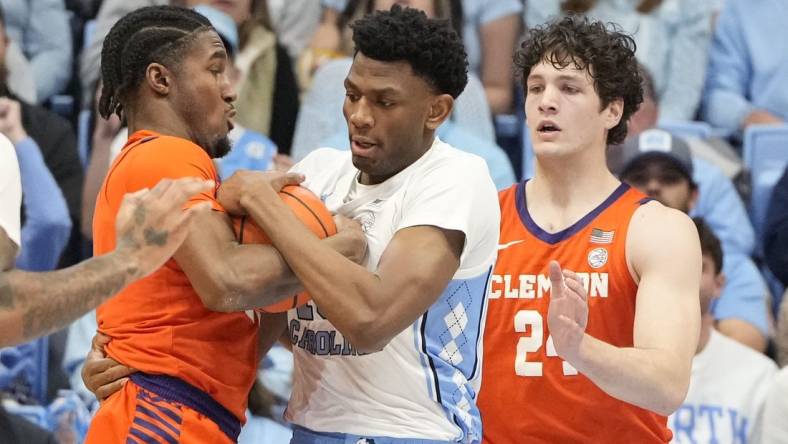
(150, 227)
(664, 252)
(369, 309)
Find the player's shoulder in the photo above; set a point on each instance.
(448, 155)
(658, 233)
(167, 152)
(451, 167)
(161, 149)
(653, 216)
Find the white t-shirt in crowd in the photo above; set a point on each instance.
(727, 391)
(10, 191)
(774, 429)
(424, 383)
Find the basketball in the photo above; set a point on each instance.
(312, 213)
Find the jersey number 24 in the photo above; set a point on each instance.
(531, 344)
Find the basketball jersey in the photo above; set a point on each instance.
(529, 394)
(424, 382)
(159, 324)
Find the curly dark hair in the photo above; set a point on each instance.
(430, 46)
(144, 36)
(605, 52)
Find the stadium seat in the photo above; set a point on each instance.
(694, 129)
(765, 153)
(24, 368)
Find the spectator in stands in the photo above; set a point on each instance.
(266, 106)
(46, 146)
(267, 89)
(775, 249)
(775, 427)
(748, 66)
(729, 381)
(672, 38)
(294, 22)
(41, 28)
(718, 202)
(775, 233)
(662, 167)
(489, 29)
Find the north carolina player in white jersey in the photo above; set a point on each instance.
(390, 352)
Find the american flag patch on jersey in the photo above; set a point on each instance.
(601, 237)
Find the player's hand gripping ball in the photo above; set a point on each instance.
(311, 211)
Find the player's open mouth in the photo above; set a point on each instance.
(359, 143)
(547, 126)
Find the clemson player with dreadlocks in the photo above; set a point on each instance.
(183, 328)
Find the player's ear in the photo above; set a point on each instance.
(158, 78)
(614, 112)
(440, 109)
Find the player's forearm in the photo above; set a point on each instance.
(35, 304)
(652, 379)
(345, 301)
(249, 277)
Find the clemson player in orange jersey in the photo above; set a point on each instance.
(184, 327)
(601, 353)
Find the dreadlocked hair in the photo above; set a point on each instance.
(154, 34)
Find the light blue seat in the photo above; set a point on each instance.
(765, 154)
(694, 129)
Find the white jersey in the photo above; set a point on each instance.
(424, 383)
(10, 191)
(726, 396)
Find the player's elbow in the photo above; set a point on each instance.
(367, 335)
(672, 399)
(672, 394)
(217, 291)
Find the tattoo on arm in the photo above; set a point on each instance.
(49, 301)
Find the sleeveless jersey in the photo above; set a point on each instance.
(528, 393)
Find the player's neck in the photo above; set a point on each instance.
(706, 326)
(566, 180)
(165, 125)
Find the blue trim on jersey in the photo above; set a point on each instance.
(303, 435)
(418, 338)
(476, 365)
(554, 238)
(451, 331)
(646, 200)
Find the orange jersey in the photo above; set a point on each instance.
(159, 325)
(528, 393)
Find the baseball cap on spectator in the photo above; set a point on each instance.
(653, 144)
(224, 26)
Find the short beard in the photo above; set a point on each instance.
(218, 148)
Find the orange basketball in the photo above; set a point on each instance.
(311, 211)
